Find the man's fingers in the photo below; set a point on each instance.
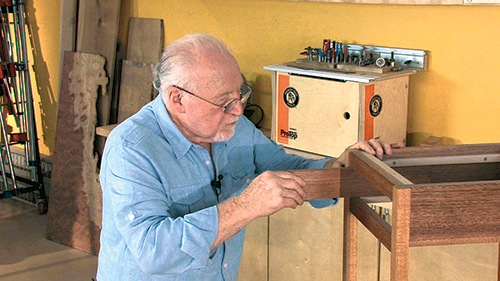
(364, 146)
(387, 148)
(291, 184)
(290, 203)
(291, 176)
(294, 195)
(396, 145)
(292, 187)
(377, 147)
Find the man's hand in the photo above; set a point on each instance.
(374, 146)
(267, 194)
(272, 191)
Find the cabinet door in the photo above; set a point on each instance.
(315, 115)
(253, 266)
(305, 244)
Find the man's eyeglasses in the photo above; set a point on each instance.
(245, 92)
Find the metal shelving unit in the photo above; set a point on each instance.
(17, 102)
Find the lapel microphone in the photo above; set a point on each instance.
(216, 185)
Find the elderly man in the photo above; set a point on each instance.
(183, 177)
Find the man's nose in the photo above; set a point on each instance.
(237, 109)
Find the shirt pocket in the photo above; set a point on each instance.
(186, 198)
(243, 171)
(242, 176)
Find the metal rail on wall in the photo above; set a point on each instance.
(17, 102)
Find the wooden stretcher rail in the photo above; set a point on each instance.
(335, 183)
(371, 220)
(321, 184)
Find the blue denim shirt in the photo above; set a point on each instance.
(159, 208)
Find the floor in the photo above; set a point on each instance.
(25, 253)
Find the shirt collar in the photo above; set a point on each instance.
(179, 143)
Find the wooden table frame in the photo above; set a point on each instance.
(440, 195)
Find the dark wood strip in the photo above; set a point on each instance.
(350, 250)
(334, 183)
(372, 221)
(400, 234)
(444, 150)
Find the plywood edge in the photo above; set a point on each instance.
(105, 130)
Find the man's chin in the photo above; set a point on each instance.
(224, 135)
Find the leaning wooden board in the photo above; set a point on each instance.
(145, 42)
(136, 88)
(97, 34)
(74, 218)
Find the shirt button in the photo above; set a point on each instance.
(208, 162)
(225, 265)
(131, 217)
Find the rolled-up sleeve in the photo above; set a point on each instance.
(271, 156)
(160, 243)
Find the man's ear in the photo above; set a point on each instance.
(174, 97)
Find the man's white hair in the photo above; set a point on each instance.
(180, 58)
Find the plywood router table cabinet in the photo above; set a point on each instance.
(440, 195)
(323, 112)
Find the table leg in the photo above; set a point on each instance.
(350, 270)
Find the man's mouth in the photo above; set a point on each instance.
(232, 123)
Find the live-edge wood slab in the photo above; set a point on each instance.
(74, 217)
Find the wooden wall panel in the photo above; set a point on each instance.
(305, 244)
(253, 265)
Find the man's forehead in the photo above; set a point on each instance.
(222, 88)
(220, 77)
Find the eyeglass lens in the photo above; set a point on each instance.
(246, 90)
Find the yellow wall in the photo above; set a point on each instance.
(43, 24)
(456, 98)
